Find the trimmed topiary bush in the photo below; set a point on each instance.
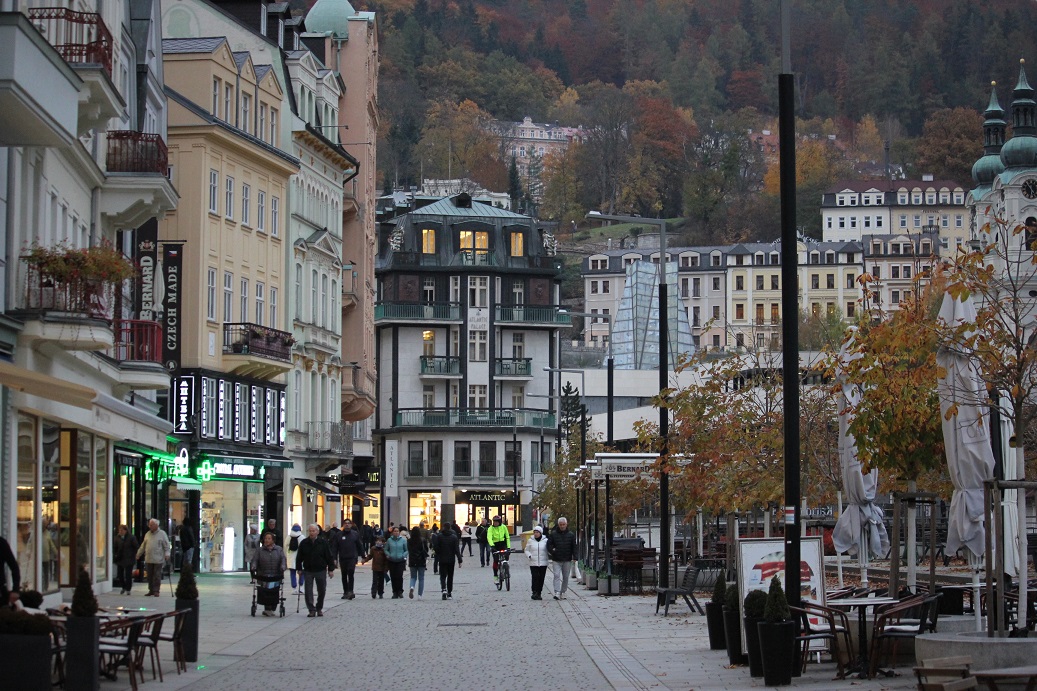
(186, 587)
(777, 607)
(731, 599)
(754, 604)
(84, 602)
(719, 588)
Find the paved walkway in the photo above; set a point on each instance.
(480, 638)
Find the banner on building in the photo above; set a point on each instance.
(172, 274)
(392, 467)
(145, 254)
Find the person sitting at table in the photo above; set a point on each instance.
(269, 564)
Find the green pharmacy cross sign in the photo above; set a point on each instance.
(205, 471)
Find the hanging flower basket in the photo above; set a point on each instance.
(74, 279)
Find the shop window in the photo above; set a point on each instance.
(30, 528)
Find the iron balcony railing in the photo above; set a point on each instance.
(418, 311)
(442, 365)
(74, 295)
(514, 367)
(79, 37)
(130, 151)
(253, 339)
(474, 417)
(334, 437)
(138, 341)
(532, 314)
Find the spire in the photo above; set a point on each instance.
(994, 125)
(1023, 105)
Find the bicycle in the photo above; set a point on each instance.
(503, 569)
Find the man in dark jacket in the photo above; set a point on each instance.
(484, 546)
(448, 548)
(367, 533)
(348, 548)
(188, 543)
(561, 549)
(315, 562)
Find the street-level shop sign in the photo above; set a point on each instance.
(485, 497)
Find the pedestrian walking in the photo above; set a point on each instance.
(433, 540)
(368, 535)
(417, 560)
(156, 550)
(271, 527)
(269, 567)
(125, 557)
(447, 552)
(467, 533)
(561, 548)
(294, 538)
(379, 567)
(250, 546)
(188, 542)
(396, 553)
(536, 550)
(348, 548)
(315, 561)
(484, 546)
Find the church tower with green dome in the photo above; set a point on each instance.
(330, 17)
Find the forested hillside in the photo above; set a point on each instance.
(674, 88)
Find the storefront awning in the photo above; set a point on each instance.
(188, 483)
(249, 460)
(306, 482)
(45, 386)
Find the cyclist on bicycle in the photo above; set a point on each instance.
(498, 537)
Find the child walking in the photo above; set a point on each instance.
(379, 568)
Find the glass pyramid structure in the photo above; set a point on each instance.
(635, 335)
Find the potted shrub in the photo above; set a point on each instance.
(607, 585)
(187, 598)
(777, 638)
(752, 613)
(733, 626)
(25, 642)
(715, 614)
(591, 578)
(83, 632)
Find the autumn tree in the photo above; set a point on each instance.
(562, 186)
(823, 330)
(867, 142)
(609, 117)
(456, 142)
(818, 165)
(951, 141)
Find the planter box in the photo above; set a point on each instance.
(190, 640)
(752, 645)
(591, 580)
(715, 625)
(778, 652)
(81, 653)
(27, 659)
(608, 585)
(733, 636)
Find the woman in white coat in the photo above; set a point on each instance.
(536, 550)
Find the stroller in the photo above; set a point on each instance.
(268, 591)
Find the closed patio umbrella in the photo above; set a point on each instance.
(970, 460)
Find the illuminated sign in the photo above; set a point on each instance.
(184, 407)
(254, 415)
(281, 418)
(269, 412)
(485, 498)
(221, 413)
(238, 412)
(234, 469)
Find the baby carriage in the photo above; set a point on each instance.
(268, 591)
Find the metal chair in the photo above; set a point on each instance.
(176, 637)
(826, 630)
(148, 641)
(119, 643)
(665, 596)
(893, 624)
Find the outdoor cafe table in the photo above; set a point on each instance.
(1018, 675)
(862, 604)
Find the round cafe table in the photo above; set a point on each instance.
(862, 604)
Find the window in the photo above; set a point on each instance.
(273, 126)
(244, 300)
(261, 211)
(851, 309)
(313, 296)
(228, 99)
(518, 292)
(716, 312)
(209, 409)
(487, 459)
(415, 458)
(477, 396)
(216, 98)
(696, 316)
(815, 281)
(428, 241)
(759, 282)
(246, 112)
(774, 282)
(462, 459)
(716, 341)
(324, 300)
(716, 283)
(228, 201)
(696, 287)
(958, 220)
(739, 311)
(435, 458)
(273, 307)
(429, 289)
(428, 396)
(894, 272)
(894, 297)
(903, 220)
(918, 221)
(775, 313)
(518, 396)
(851, 281)
(228, 296)
(275, 216)
(512, 458)
(214, 191)
(605, 286)
(518, 245)
(246, 194)
(261, 133)
(260, 301)
(594, 287)
(477, 346)
(210, 294)
(830, 281)
(599, 264)
(907, 271)
(684, 288)
(478, 291)
(739, 283)
(878, 221)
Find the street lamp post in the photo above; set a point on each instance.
(583, 408)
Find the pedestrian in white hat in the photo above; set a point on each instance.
(536, 550)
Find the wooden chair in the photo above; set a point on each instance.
(119, 643)
(148, 642)
(892, 624)
(176, 637)
(665, 596)
(59, 642)
(945, 674)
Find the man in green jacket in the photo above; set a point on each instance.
(498, 538)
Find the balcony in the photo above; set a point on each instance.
(138, 350)
(358, 399)
(513, 367)
(39, 92)
(474, 417)
(436, 366)
(329, 437)
(85, 43)
(531, 315)
(475, 258)
(410, 312)
(257, 351)
(136, 187)
(73, 313)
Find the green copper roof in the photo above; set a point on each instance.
(447, 207)
(330, 16)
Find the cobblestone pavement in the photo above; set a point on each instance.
(480, 638)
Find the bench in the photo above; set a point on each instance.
(630, 565)
(665, 596)
(945, 674)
